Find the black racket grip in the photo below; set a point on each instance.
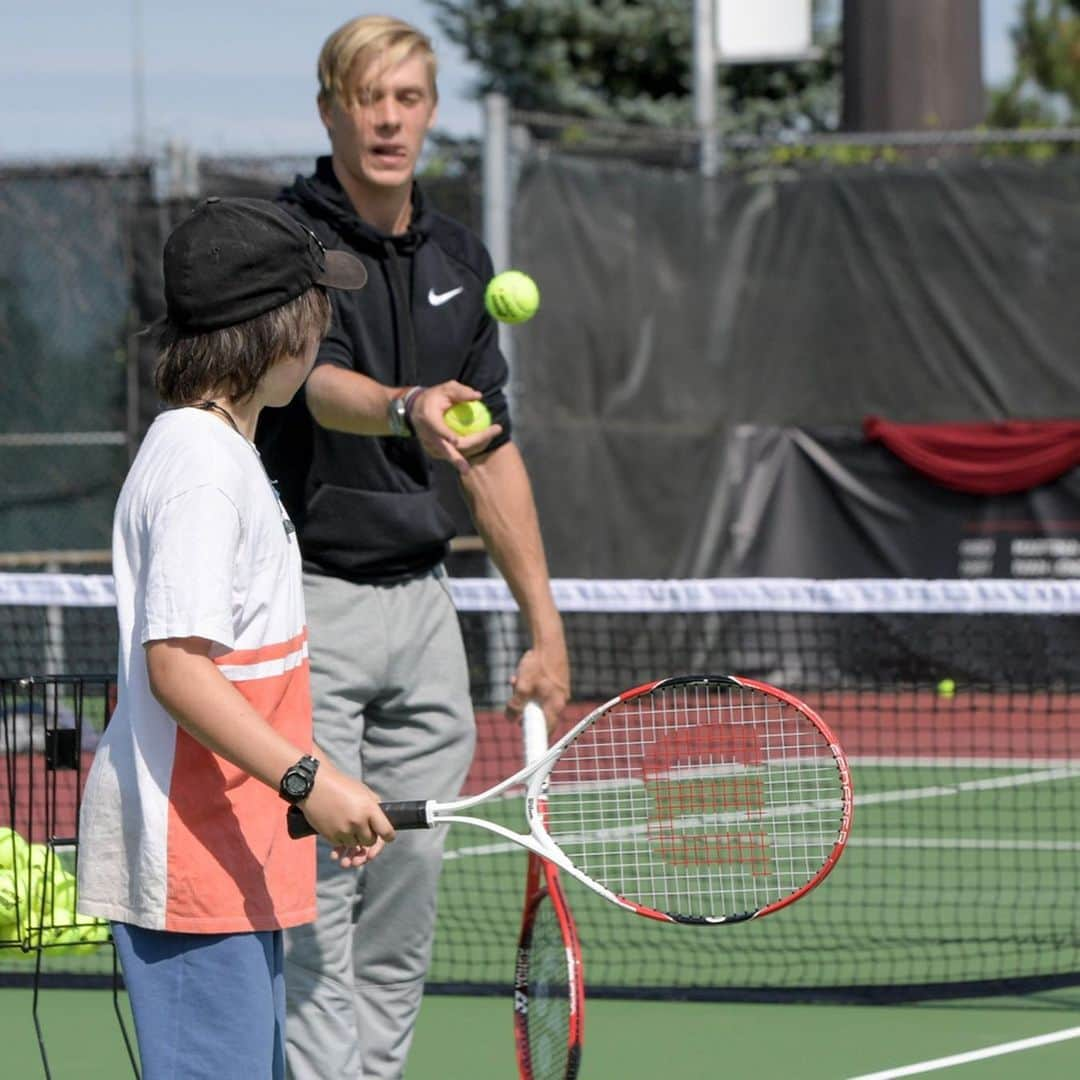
(297, 824)
(411, 814)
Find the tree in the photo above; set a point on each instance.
(629, 61)
(1045, 89)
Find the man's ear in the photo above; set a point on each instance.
(323, 105)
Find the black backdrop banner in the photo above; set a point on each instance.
(825, 504)
(691, 333)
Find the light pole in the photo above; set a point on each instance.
(705, 85)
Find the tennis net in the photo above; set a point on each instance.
(957, 701)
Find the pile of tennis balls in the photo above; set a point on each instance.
(37, 900)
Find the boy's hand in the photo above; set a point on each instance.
(352, 856)
(346, 812)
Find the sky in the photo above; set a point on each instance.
(225, 77)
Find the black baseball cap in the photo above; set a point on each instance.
(230, 260)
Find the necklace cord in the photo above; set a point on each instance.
(213, 406)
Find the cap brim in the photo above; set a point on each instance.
(343, 271)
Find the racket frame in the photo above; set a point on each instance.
(429, 813)
(540, 842)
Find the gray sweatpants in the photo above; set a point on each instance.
(391, 695)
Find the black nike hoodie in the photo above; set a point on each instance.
(364, 506)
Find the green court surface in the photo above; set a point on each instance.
(471, 1039)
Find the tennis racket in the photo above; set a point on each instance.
(549, 987)
(693, 799)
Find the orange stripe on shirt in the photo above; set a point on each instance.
(231, 865)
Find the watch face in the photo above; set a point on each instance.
(295, 783)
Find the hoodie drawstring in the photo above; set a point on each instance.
(405, 369)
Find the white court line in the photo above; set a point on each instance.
(972, 1055)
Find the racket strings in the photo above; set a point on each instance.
(549, 989)
(699, 799)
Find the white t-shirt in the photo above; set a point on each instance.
(173, 837)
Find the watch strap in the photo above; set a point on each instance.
(398, 417)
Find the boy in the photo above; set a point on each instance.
(183, 841)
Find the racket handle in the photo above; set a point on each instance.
(534, 732)
(411, 814)
(297, 824)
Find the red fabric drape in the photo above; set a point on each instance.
(984, 458)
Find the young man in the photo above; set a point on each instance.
(183, 841)
(389, 674)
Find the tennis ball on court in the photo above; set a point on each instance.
(467, 417)
(512, 297)
(946, 688)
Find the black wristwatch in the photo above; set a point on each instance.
(298, 780)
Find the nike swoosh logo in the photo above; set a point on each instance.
(436, 299)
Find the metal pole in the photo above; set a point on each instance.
(501, 627)
(497, 196)
(705, 84)
(497, 179)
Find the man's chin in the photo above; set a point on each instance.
(389, 174)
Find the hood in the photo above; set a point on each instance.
(322, 196)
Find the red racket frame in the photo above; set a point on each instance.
(542, 885)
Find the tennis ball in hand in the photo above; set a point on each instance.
(467, 417)
(946, 688)
(512, 297)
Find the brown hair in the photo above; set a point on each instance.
(234, 359)
(360, 41)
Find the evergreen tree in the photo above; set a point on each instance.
(1045, 89)
(630, 61)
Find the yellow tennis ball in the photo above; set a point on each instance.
(512, 297)
(946, 688)
(43, 861)
(467, 417)
(13, 849)
(8, 896)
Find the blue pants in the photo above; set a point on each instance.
(206, 1006)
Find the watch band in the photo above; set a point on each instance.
(399, 418)
(408, 400)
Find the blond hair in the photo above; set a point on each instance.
(363, 40)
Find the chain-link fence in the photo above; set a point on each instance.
(80, 251)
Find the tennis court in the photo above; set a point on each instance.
(460, 1038)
